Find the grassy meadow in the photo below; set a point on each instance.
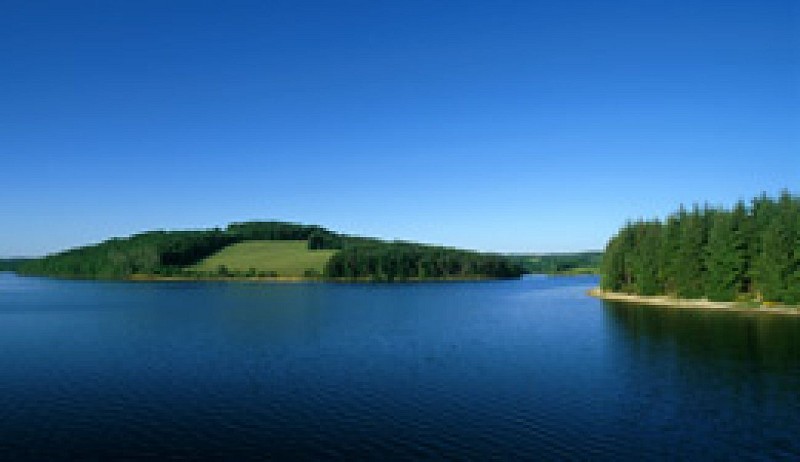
(283, 258)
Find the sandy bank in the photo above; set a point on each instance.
(660, 300)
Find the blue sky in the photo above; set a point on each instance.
(504, 126)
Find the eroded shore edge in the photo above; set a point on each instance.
(660, 300)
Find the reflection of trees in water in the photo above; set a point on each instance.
(709, 378)
(770, 343)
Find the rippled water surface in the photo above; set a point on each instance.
(507, 370)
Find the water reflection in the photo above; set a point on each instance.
(721, 380)
(508, 370)
(769, 343)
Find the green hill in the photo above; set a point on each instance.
(268, 248)
(266, 258)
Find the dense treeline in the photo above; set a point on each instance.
(167, 253)
(155, 252)
(162, 252)
(561, 263)
(11, 264)
(317, 236)
(391, 261)
(274, 231)
(749, 252)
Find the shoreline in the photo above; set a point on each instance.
(296, 279)
(267, 279)
(703, 304)
(155, 278)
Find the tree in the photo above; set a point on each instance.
(691, 256)
(724, 260)
(777, 262)
(644, 265)
(668, 262)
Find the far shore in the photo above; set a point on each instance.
(279, 279)
(157, 278)
(662, 300)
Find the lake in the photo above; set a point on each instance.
(526, 369)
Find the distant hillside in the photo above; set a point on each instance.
(388, 261)
(560, 263)
(11, 264)
(234, 252)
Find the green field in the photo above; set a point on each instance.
(286, 258)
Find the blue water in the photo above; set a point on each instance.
(528, 369)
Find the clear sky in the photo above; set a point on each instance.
(506, 126)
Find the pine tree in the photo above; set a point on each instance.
(669, 264)
(777, 264)
(691, 258)
(613, 266)
(743, 227)
(724, 261)
(645, 256)
(715, 253)
(793, 286)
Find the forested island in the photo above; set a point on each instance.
(268, 250)
(747, 253)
